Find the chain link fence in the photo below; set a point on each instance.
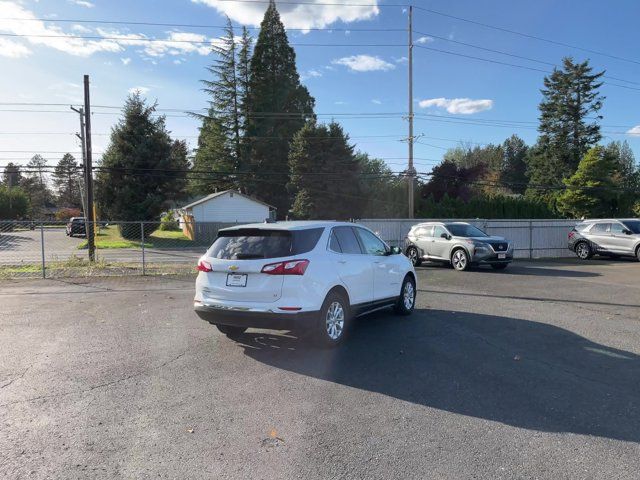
(60, 249)
(532, 238)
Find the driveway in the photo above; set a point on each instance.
(529, 373)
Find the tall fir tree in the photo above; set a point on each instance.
(141, 173)
(11, 175)
(324, 173)
(514, 173)
(213, 163)
(570, 100)
(66, 181)
(278, 106)
(591, 190)
(35, 185)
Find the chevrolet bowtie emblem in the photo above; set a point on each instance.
(233, 268)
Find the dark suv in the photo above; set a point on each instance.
(606, 237)
(77, 226)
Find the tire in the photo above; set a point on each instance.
(333, 322)
(414, 256)
(583, 251)
(499, 266)
(638, 253)
(231, 332)
(460, 260)
(407, 299)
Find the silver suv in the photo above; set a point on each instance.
(458, 243)
(606, 237)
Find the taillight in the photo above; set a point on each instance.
(204, 266)
(571, 234)
(290, 267)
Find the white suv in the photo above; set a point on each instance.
(314, 276)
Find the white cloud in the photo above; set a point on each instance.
(376, 101)
(82, 3)
(424, 40)
(126, 61)
(80, 28)
(141, 90)
(401, 60)
(634, 132)
(364, 63)
(41, 34)
(12, 49)
(340, 102)
(302, 16)
(310, 74)
(462, 106)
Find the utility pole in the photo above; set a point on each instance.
(89, 172)
(411, 171)
(80, 111)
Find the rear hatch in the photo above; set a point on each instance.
(237, 259)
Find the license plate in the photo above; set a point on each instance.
(502, 255)
(236, 280)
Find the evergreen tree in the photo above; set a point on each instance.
(14, 204)
(324, 173)
(279, 106)
(11, 176)
(570, 98)
(213, 164)
(514, 172)
(140, 172)
(626, 176)
(66, 180)
(384, 194)
(34, 184)
(591, 191)
(243, 72)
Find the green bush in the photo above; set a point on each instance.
(132, 231)
(168, 223)
(14, 203)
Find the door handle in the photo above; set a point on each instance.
(342, 261)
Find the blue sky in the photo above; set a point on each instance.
(349, 79)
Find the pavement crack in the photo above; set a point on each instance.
(16, 378)
(95, 387)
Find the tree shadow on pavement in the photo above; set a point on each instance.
(521, 373)
(12, 240)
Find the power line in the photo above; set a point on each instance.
(498, 62)
(192, 42)
(526, 35)
(195, 25)
(512, 55)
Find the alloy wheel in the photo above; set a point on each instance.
(335, 320)
(459, 260)
(582, 250)
(413, 256)
(409, 295)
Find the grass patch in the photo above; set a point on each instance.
(110, 238)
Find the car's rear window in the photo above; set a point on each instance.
(633, 225)
(258, 243)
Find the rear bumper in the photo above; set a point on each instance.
(247, 318)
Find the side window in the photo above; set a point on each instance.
(334, 245)
(424, 232)
(438, 231)
(372, 244)
(347, 240)
(600, 228)
(617, 228)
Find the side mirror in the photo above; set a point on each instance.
(628, 232)
(445, 235)
(395, 251)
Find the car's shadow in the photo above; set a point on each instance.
(518, 372)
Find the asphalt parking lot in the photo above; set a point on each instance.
(533, 372)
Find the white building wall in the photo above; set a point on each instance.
(230, 208)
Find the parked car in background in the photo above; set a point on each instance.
(457, 243)
(310, 276)
(76, 226)
(610, 237)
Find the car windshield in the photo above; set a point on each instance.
(633, 225)
(462, 230)
(247, 244)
